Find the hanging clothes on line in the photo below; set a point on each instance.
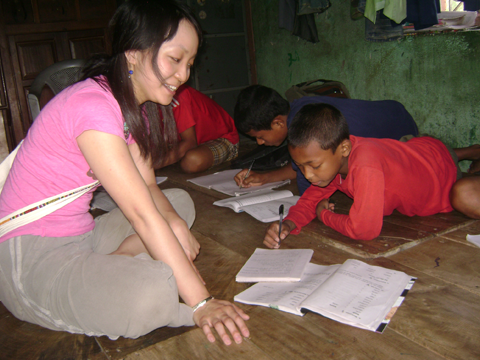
(297, 16)
(471, 5)
(393, 9)
(384, 29)
(423, 13)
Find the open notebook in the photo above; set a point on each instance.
(223, 182)
(262, 205)
(352, 293)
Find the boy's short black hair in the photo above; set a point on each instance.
(322, 123)
(257, 106)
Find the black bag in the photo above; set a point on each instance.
(319, 87)
(264, 157)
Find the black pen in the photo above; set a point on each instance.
(248, 172)
(280, 212)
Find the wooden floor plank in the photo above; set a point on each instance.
(460, 235)
(193, 345)
(437, 224)
(118, 349)
(393, 238)
(316, 337)
(437, 315)
(450, 261)
(218, 266)
(22, 340)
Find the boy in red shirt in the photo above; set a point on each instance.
(207, 132)
(416, 177)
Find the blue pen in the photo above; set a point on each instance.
(280, 212)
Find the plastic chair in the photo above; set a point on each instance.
(57, 76)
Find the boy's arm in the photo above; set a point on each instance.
(365, 219)
(188, 141)
(257, 179)
(305, 210)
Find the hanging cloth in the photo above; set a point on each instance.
(312, 6)
(423, 13)
(471, 5)
(297, 16)
(383, 29)
(286, 14)
(393, 9)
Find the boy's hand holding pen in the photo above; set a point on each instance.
(280, 213)
(248, 173)
(277, 232)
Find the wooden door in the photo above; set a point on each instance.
(225, 62)
(34, 34)
(6, 126)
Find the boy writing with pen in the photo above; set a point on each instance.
(247, 173)
(416, 177)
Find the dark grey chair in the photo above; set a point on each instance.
(57, 77)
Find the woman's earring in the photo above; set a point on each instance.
(130, 72)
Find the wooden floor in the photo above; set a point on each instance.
(439, 319)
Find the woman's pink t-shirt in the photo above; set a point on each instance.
(49, 162)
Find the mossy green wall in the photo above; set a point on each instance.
(437, 77)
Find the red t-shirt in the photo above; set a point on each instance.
(211, 121)
(413, 177)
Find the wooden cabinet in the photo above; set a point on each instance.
(34, 34)
(31, 53)
(6, 129)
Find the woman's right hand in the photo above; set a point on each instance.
(218, 314)
(189, 243)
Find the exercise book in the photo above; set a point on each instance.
(353, 293)
(223, 182)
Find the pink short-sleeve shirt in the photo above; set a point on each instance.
(49, 162)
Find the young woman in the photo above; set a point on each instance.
(120, 274)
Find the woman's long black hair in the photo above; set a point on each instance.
(141, 25)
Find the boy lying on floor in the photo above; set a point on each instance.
(262, 113)
(207, 134)
(415, 177)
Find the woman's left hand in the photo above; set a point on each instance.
(219, 314)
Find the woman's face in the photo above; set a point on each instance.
(175, 58)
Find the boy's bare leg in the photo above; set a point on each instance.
(465, 196)
(470, 153)
(197, 159)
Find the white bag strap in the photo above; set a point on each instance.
(6, 165)
(42, 208)
(39, 209)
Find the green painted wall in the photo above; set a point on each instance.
(437, 77)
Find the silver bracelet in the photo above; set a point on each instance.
(201, 303)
